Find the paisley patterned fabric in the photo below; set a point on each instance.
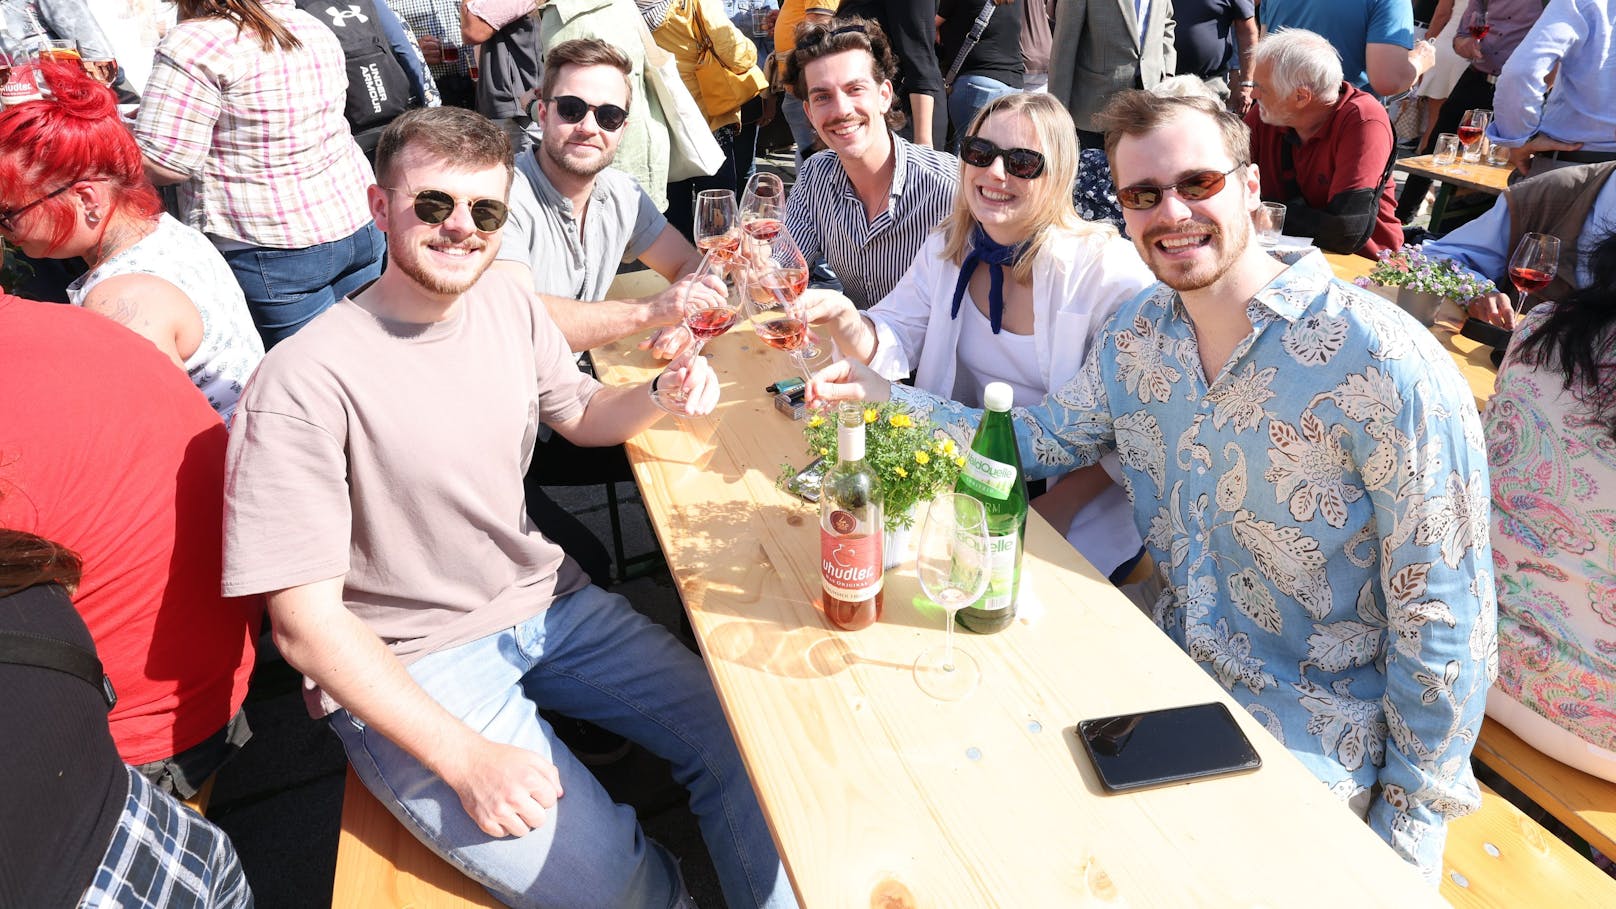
(1318, 514)
(1554, 547)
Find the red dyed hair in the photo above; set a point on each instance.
(45, 145)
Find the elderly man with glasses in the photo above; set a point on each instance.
(1307, 468)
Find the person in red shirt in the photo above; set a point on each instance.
(110, 451)
(1322, 147)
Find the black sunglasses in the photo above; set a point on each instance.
(571, 109)
(1018, 162)
(434, 206)
(6, 216)
(1197, 186)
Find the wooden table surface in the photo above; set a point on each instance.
(1472, 357)
(879, 795)
(1482, 176)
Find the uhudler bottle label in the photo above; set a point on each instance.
(849, 558)
(987, 476)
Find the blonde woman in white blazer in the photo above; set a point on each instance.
(957, 325)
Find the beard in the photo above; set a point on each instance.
(414, 266)
(555, 151)
(1226, 248)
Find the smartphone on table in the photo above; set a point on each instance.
(1157, 747)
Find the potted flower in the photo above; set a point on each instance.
(1422, 282)
(913, 459)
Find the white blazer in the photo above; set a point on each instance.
(1078, 282)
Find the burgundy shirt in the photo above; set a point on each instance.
(1347, 157)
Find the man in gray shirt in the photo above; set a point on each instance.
(574, 218)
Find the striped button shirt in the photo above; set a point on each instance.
(827, 219)
(261, 134)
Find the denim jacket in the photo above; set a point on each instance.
(25, 23)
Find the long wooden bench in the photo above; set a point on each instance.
(1498, 858)
(1584, 803)
(381, 864)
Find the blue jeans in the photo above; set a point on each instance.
(285, 288)
(802, 132)
(591, 656)
(971, 94)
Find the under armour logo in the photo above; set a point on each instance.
(339, 16)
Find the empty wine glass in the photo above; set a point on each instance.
(705, 319)
(717, 228)
(763, 206)
(951, 562)
(1533, 265)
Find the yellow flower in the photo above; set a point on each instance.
(922, 458)
(816, 420)
(824, 452)
(901, 420)
(870, 415)
(902, 474)
(959, 462)
(948, 446)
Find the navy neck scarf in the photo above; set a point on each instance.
(985, 249)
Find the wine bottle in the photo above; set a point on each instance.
(993, 476)
(850, 529)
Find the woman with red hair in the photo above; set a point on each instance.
(73, 184)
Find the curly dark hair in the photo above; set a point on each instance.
(853, 33)
(1579, 337)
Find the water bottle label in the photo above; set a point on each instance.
(984, 475)
(1002, 572)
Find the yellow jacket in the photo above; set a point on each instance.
(677, 35)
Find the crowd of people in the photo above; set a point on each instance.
(386, 310)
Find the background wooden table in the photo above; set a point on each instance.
(1480, 176)
(879, 795)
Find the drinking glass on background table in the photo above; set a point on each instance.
(1447, 150)
(1533, 265)
(1471, 129)
(1497, 155)
(717, 226)
(951, 562)
(763, 206)
(704, 319)
(1269, 219)
(101, 68)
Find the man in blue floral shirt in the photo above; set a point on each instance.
(1308, 469)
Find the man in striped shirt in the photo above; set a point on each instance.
(866, 205)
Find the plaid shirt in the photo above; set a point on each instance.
(262, 135)
(441, 20)
(163, 856)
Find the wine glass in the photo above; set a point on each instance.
(717, 229)
(778, 272)
(1479, 27)
(952, 564)
(763, 206)
(103, 68)
(1533, 265)
(778, 319)
(1471, 129)
(704, 319)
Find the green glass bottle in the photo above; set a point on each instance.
(993, 476)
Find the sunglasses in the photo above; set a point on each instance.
(1197, 186)
(571, 109)
(7, 216)
(1018, 162)
(434, 206)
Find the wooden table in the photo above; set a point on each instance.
(1472, 357)
(879, 795)
(1480, 176)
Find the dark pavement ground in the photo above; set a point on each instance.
(280, 799)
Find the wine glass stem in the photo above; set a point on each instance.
(1520, 305)
(948, 640)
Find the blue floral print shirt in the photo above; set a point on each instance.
(1318, 515)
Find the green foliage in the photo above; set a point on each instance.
(13, 270)
(1410, 267)
(914, 460)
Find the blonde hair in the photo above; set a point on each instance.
(1053, 210)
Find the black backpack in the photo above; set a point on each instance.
(378, 88)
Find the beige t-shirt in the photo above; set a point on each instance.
(392, 454)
